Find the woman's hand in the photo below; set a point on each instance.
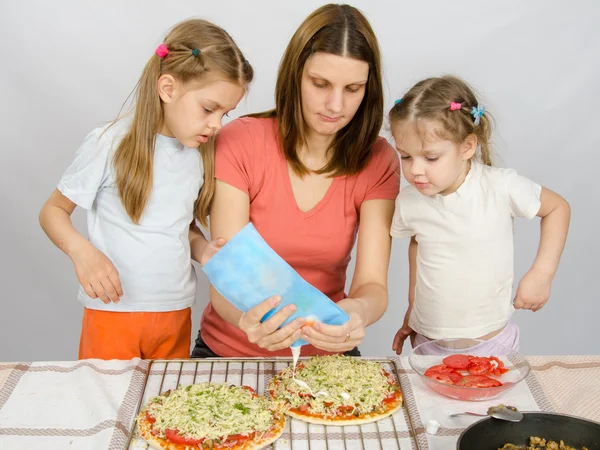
(266, 334)
(338, 338)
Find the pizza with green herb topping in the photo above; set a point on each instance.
(337, 390)
(210, 416)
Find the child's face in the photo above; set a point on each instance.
(431, 164)
(332, 89)
(193, 112)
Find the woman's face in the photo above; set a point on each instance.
(332, 90)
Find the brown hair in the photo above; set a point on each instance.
(218, 56)
(338, 30)
(430, 99)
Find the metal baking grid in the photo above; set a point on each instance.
(395, 432)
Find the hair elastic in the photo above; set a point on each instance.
(162, 51)
(477, 113)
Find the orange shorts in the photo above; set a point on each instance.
(127, 335)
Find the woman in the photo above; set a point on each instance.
(305, 174)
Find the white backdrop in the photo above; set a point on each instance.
(67, 66)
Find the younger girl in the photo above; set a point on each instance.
(139, 180)
(459, 211)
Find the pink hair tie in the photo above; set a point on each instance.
(162, 51)
(455, 106)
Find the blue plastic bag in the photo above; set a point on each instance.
(246, 271)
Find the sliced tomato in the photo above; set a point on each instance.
(448, 378)
(479, 381)
(459, 362)
(389, 377)
(248, 388)
(479, 365)
(240, 437)
(176, 438)
(149, 418)
(440, 368)
(391, 397)
(345, 408)
(302, 394)
(500, 369)
(328, 404)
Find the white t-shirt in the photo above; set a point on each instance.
(152, 258)
(465, 251)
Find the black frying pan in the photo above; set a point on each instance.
(491, 434)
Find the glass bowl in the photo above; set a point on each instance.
(431, 353)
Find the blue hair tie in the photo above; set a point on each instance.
(195, 52)
(397, 101)
(477, 113)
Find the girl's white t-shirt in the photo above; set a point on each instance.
(152, 257)
(465, 251)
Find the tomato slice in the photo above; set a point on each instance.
(500, 369)
(176, 438)
(479, 381)
(459, 362)
(149, 418)
(390, 378)
(479, 365)
(301, 394)
(240, 437)
(391, 397)
(448, 378)
(440, 368)
(345, 408)
(248, 388)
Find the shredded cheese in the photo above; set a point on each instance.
(211, 411)
(358, 386)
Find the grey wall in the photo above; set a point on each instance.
(67, 66)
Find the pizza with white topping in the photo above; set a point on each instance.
(210, 416)
(337, 390)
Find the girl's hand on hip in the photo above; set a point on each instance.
(533, 291)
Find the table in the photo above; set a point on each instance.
(90, 404)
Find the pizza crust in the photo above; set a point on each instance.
(351, 420)
(145, 431)
(389, 407)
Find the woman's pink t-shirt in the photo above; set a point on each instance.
(316, 243)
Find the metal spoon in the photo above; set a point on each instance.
(502, 412)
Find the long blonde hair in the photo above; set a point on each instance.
(217, 55)
(430, 99)
(337, 30)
